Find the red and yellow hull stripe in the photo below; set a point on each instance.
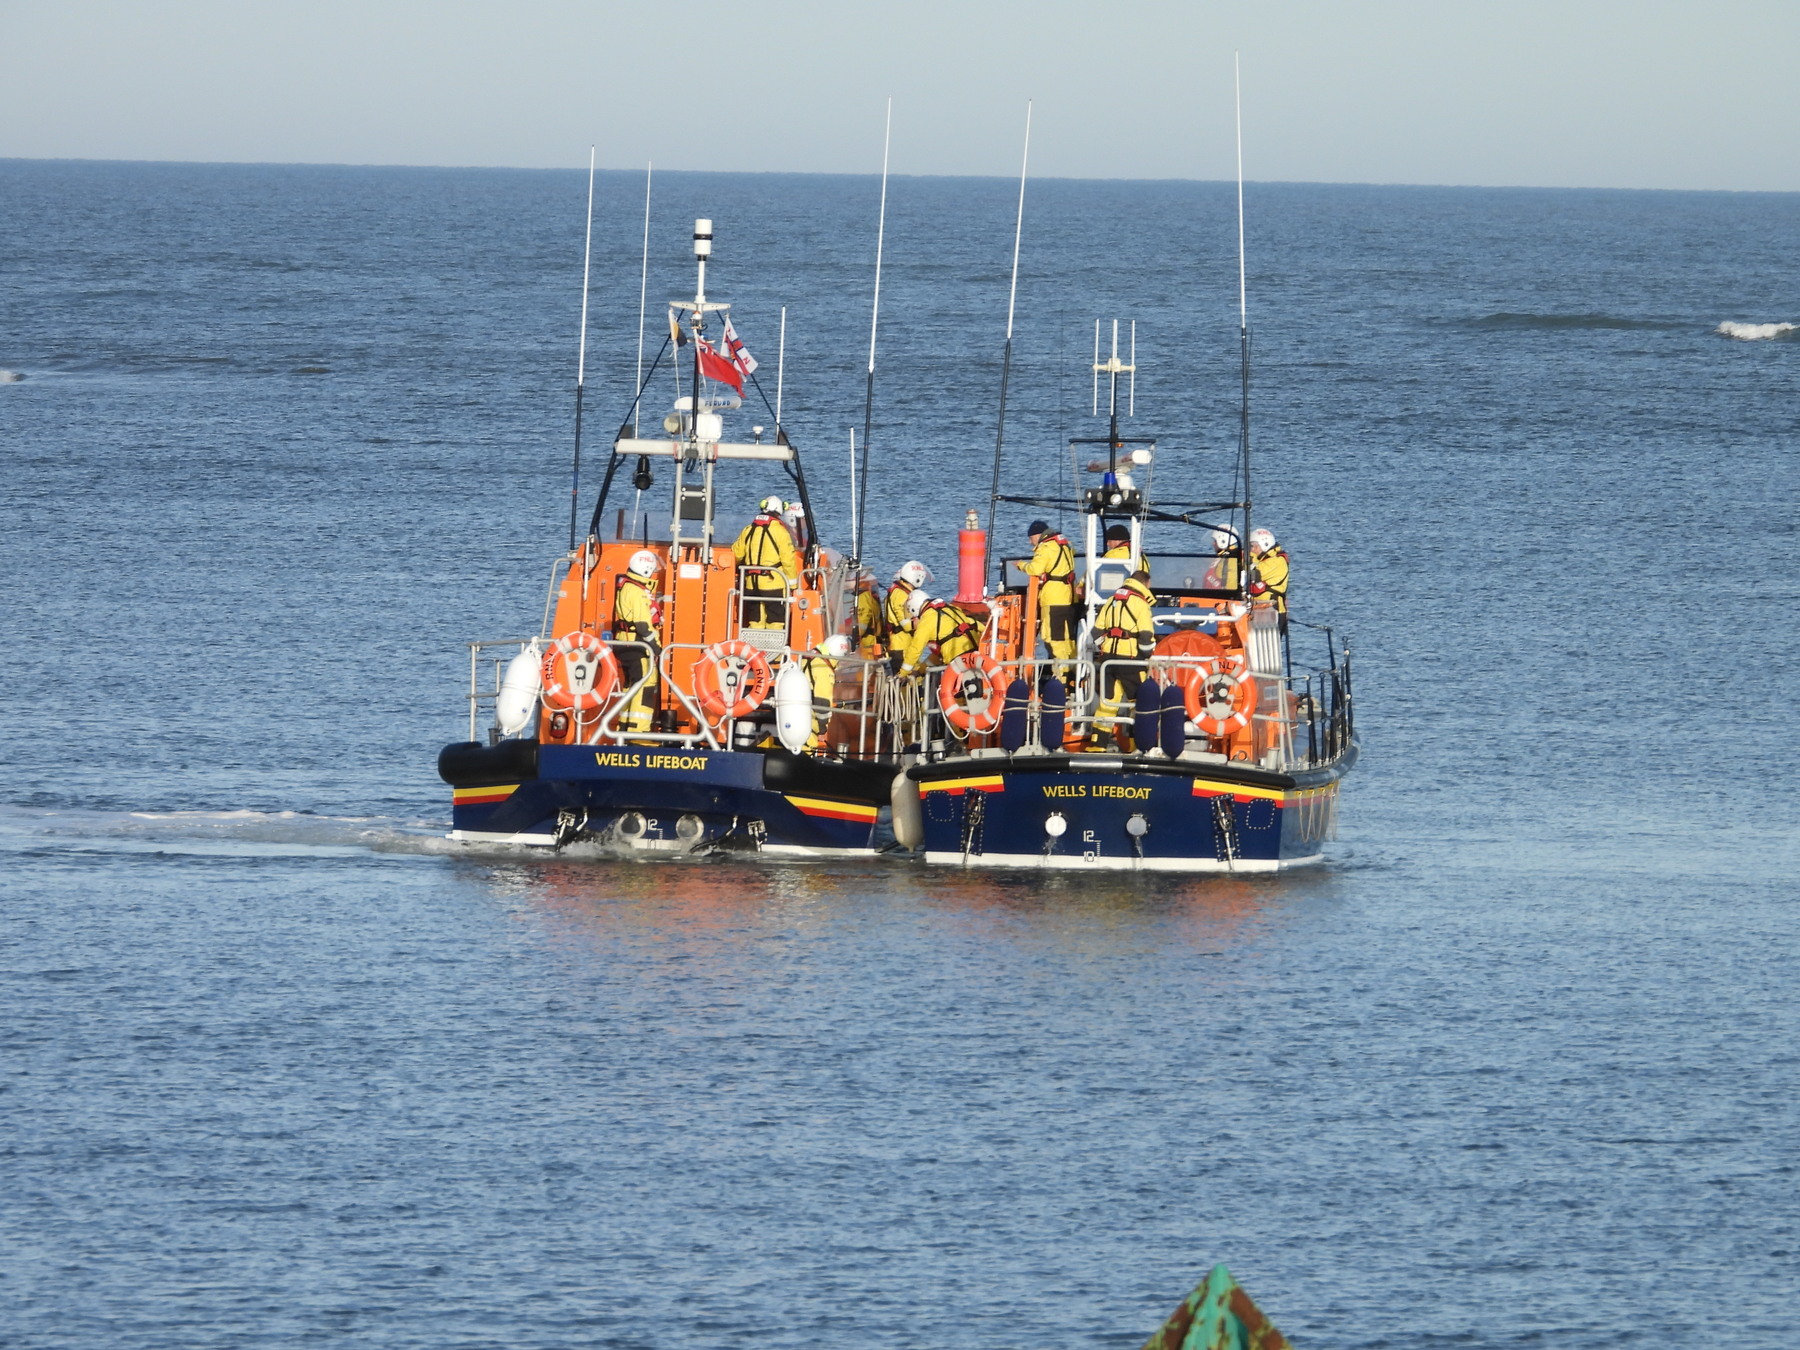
(991, 782)
(861, 812)
(1241, 792)
(482, 796)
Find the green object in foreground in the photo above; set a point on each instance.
(1218, 1316)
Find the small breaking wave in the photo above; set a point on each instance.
(10, 376)
(1754, 332)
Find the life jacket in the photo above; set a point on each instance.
(643, 625)
(767, 544)
(1068, 560)
(1125, 624)
(963, 621)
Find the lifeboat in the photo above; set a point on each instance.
(669, 702)
(1214, 739)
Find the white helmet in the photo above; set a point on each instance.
(916, 602)
(1261, 541)
(914, 574)
(1224, 541)
(793, 510)
(837, 646)
(645, 563)
(771, 504)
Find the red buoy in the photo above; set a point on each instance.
(971, 562)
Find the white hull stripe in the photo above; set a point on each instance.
(1074, 862)
(784, 851)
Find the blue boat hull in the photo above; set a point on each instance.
(652, 799)
(1123, 813)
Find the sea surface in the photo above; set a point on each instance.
(1519, 1066)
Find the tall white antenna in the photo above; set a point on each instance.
(1131, 398)
(780, 370)
(1237, 92)
(587, 253)
(1096, 409)
(1012, 297)
(643, 295)
(887, 137)
(862, 504)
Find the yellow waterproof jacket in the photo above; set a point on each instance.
(1223, 574)
(893, 609)
(945, 627)
(822, 672)
(1122, 553)
(1272, 570)
(871, 621)
(634, 609)
(1054, 564)
(1125, 626)
(765, 542)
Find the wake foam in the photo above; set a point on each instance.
(248, 830)
(10, 377)
(1754, 332)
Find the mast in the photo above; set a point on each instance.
(587, 253)
(1012, 297)
(862, 507)
(703, 232)
(1237, 90)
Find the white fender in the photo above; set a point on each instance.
(793, 707)
(909, 815)
(519, 688)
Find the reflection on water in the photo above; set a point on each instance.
(734, 900)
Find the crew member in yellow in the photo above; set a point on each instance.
(1118, 545)
(1269, 572)
(767, 566)
(908, 579)
(1124, 631)
(871, 616)
(941, 632)
(821, 670)
(1052, 561)
(637, 618)
(1223, 574)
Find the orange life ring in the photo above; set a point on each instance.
(731, 679)
(1223, 701)
(580, 672)
(982, 711)
(1188, 642)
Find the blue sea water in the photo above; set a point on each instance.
(1519, 1066)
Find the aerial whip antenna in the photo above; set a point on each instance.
(780, 371)
(1012, 297)
(643, 290)
(587, 253)
(862, 501)
(1237, 90)
(853, 524)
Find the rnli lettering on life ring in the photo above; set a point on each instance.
(731, 679)
(580, 672)
(970, 693)
(1222, 702)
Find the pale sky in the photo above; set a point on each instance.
(1578, 93)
